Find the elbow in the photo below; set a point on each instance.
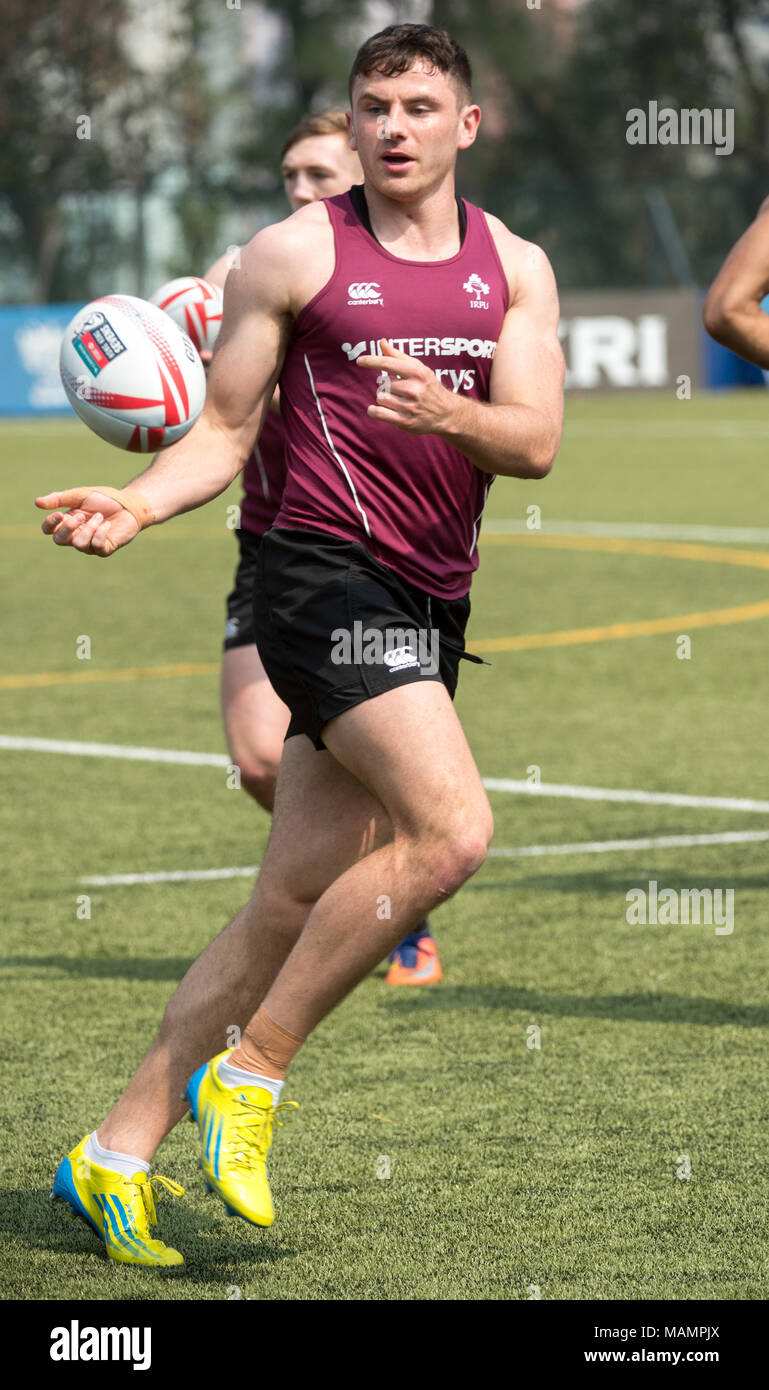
(541, 466)
(530, 468)
(544, 452)
(541, 459)
(712, 316)
(718, 318)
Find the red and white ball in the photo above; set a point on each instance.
(195, 305)
(131, 373)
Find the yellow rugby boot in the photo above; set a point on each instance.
(120, 1210)
(236, 1133)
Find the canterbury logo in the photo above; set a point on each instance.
(401, 656)
(367, 290)
(475, 285)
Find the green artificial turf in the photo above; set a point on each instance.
(514, 1171)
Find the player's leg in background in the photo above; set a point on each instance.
(255, 722)
(408, 749)
(325, 820)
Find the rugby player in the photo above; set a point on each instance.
(732, 311)
(380, 813)
(316, 162)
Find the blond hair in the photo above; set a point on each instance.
(331, 122)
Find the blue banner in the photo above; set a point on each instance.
(30, 337)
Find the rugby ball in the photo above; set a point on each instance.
(131, 374)
(195, 305)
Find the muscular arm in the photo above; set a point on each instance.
(247, 360)
(217, 275)
(517, 432)
(732, 311)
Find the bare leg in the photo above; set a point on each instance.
(315, 926)
(408, 748)
(330, 820)
(255, 722)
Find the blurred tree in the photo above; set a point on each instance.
(315, 41)
(84, 140)
(196, 104)
(189, 103)
(59, 70)
(554, 161)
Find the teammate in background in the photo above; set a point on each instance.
(732, 312)
(380, 811)
(316, 162)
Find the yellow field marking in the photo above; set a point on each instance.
(622, 545)
(679, 550)
(128, 673)
(619, 545)
(717, 617)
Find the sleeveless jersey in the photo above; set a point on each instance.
(264, 477)
(413, 500)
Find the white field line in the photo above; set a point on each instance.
(729, 837)
(735, 837)
(113, 750)
(174, 876)
(495, 784)
(634, 530)
(714, 803)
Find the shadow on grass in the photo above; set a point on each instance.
(638, 1008)
(627, 1008)
(37, 1223)
(105, 967)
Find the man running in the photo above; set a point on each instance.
(415, 339)
(316, 162)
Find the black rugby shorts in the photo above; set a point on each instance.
(335, 627)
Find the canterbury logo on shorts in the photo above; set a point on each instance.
(399, 658)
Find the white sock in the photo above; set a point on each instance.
(236, 1076)
(109, 1158)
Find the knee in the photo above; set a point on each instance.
(258, 776)
(460, 852)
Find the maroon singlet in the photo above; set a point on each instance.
(413, 501)
(264, 477)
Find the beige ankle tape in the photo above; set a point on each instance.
(266, 1047)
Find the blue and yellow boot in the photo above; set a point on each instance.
(236, 1133)
(120, 1210)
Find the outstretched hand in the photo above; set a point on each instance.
(98, 524)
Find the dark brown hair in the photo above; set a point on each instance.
(331, 122)
(394, 50)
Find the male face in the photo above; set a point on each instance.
(319, 166)
(407, 129)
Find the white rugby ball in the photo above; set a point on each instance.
(196, 305)
(131, 373)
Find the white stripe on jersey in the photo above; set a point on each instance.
(262, 473)
(332, 447)
(479, 518)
